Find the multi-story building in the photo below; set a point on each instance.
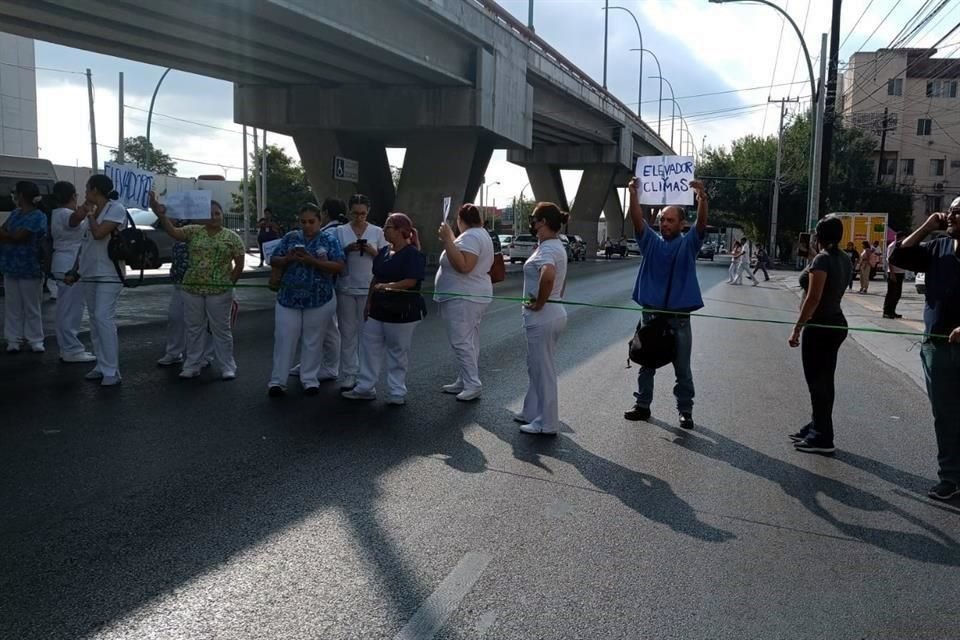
(909, 100)
(18, 97)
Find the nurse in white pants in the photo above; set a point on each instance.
(463, 289)
(544, 278)
(20, 238)
(736, 256)
(67, 226)
(393, 313)
(99, 278)
(214, 265)
(361, 241)
(176, 345)
(306, 304)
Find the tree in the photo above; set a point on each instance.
(287, 187)
(743, 194)
(135, 150)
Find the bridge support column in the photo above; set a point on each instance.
(547, 186)
(317, 149)
(596, 186)
(613, 212)
(436, 165)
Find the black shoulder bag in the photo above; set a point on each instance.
(655, 344)
(130, 245)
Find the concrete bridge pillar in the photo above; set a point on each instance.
(547, 185)
(593, 195)
(317, 149)
(440, 164)
(613, 212)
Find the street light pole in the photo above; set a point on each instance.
(606, 11)
(659, 74)
(146, 153)
(673, 113)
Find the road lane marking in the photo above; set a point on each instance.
(435, 610)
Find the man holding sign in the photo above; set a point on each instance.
(667, 282)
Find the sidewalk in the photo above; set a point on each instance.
(866, 310)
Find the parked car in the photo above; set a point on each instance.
(148, 222)
(611, 248)
(633, 247)
(505, 244)
(522, 247)
(707, 251)
(578, 248)
(921, 283)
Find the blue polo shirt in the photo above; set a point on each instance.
(657, 256)
(938, 259)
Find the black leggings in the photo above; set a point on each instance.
(819, 349)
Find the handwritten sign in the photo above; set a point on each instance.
(133, 184)
(189, 205)
(446, 207)
(665, 180)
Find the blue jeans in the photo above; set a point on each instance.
(941, 368)
(683, 389)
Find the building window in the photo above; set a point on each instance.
(933, 204)
(906, 167)
(888, 166)
(939, 88)
(895, 87)
(924, 126)
(936, 166)
(950, 89)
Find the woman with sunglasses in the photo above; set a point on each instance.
(20, 238)
(544, 278)
(394, 309)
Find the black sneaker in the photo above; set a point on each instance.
(638, 413)
(311, 391)
(802, 434)
(944, 490)
(686, 420)
(892, 316)
(815, 445)
(276, 392)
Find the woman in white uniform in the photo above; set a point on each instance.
(306, 304)
(544, 278)
(99, 276)
(361, 242)
(67, 226)
(464, 271)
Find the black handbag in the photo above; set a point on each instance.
(130, 246)
(654, 344)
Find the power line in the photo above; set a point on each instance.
(856, 24)
(193, 122)
(803, 35)
(880, 24)
(187, 160)
(776, 60)
(29, 68)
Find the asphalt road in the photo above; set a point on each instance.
(202, 509)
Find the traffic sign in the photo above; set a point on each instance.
(346, 169)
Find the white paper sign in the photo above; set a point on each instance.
(268, 248)
(189, 205)
(134, 185)
(446, 207)
(665, 180)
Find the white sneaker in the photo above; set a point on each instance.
(83, 356)
(397, 401)
(455, 387)
(347, 383)
(295, 371)
(110, 381)
(13, 348)
(37, 348)
(469, 395)
(226, 376)
(96, 374)
(168, 360)
(186, 374)
(536, 428)
(353, 394)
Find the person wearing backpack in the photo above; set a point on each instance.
(98, 275)
(667, 281)
(20, 259)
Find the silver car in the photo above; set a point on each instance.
(522, 247)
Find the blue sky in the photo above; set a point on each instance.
(703, 48)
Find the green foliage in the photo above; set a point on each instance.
(135, 151)
(742, 194)
(287, 187)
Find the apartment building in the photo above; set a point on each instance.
(18, 97)
(912, 97)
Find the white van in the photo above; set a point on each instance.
(13, 169)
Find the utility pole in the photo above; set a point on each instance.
(775, 208)
(813, 201)
(93, 124)
(120, 143)
(244, 190)
(263, 170)
(883, 146)
(606, 29)
(256, 172)
(530, 16)
(829, 111)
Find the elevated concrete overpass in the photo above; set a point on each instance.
(450, 80)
